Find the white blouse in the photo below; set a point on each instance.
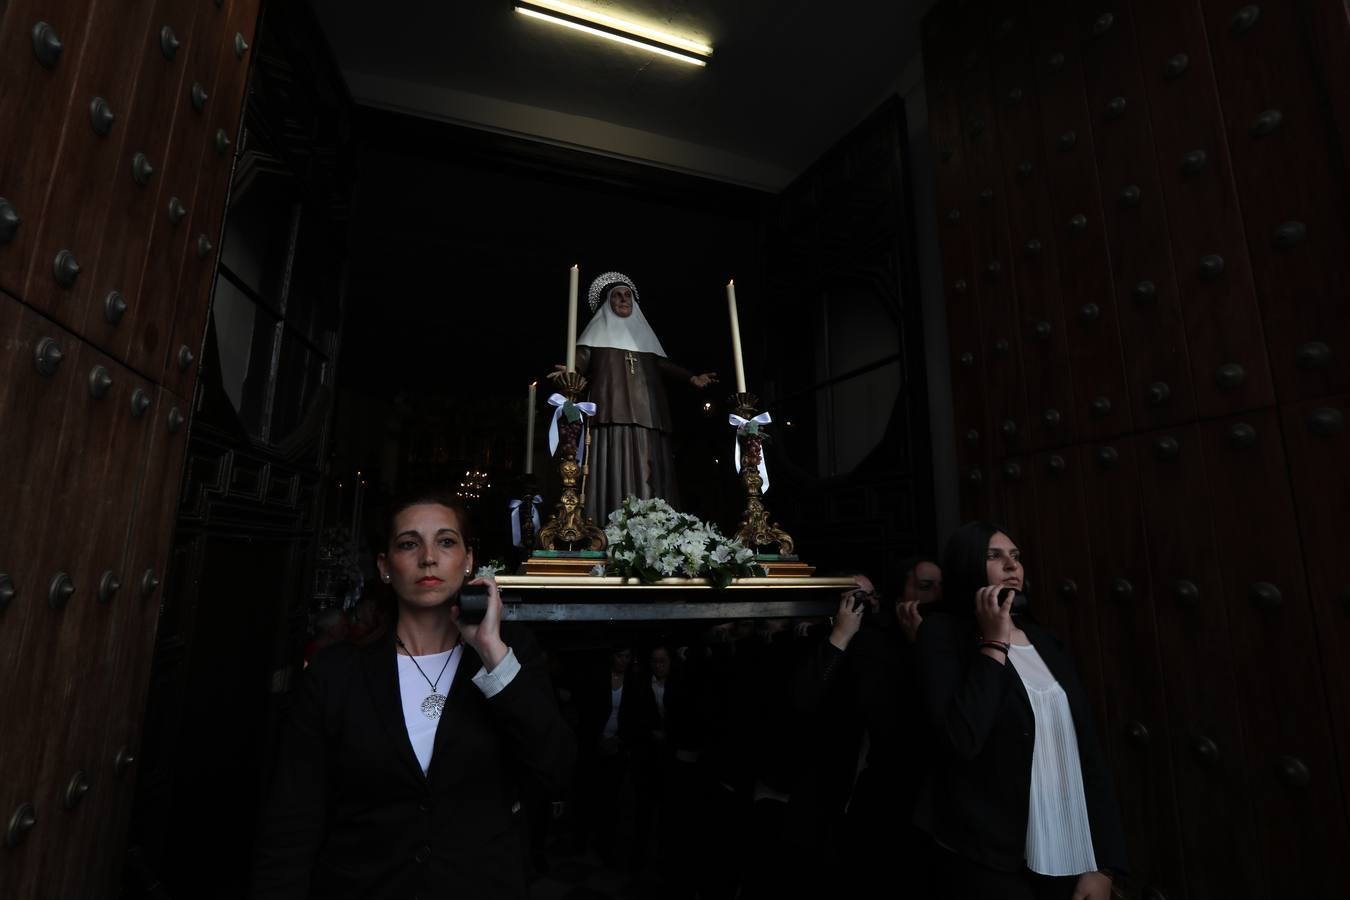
(414, 689)
(1059, 835)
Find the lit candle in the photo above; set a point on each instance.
(529, 432)
(572, 319)
(736, 337)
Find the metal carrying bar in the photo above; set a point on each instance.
(590, 598)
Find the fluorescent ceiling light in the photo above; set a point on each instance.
(616, 30)
(599, 18)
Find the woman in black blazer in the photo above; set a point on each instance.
(1021, 801)
(403, 763)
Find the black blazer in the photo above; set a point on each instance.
(977, 801)
(874, 685)
(824, 700)
(594, 701)
(352, 815)
(646, 717)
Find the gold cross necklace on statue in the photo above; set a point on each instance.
(629, 358)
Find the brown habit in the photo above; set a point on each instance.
(630, 433)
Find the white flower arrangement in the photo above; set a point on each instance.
(649, 541)
(491, 570)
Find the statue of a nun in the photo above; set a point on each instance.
(626, 366)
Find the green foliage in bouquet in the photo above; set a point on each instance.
(649, 541)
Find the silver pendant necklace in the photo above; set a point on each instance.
(434, 702)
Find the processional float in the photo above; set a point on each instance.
(557, 581)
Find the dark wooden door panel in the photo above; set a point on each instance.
(173, 238)
(32, 106)
(1292, 184)
(1064, 596)
(1280, 683)
(1035, 266)
(139, 202)
(87, 168)
(208, 202)
(963, 314)
(92, 445)
(33, 409)
(75, 462)
(1092, 332)
(1218, 300)
(1156, 360)
(983, 210)
(99, 462)
(147, 554)
(1318, 444)
(1199, 668)
(1136, 707)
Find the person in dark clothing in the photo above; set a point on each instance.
(611, 738)
(405, 760)
(824, 699)
(858, 689)
(654, 761)
(723, 779)
(897, 742)
(1020, 796)
(770, 739)
(923, 591)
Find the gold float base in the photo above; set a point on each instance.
(784, 568)
(563, 563)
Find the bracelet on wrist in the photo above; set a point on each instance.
(1001, 646)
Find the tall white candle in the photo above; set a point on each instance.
(736, 337)
(572, 319)
(529, 432)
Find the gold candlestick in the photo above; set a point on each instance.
(569, 524)
(755, 530)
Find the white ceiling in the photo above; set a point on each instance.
(787, 79)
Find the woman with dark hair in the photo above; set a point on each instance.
(404, 761)
(1020, 797)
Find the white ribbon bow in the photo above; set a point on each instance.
(559, 403)
(761, 419)
(515, 517)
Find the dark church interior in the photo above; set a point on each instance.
(1000, 348)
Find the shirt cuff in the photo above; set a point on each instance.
(494, 682)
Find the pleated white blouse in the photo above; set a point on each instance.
(1059, 835)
